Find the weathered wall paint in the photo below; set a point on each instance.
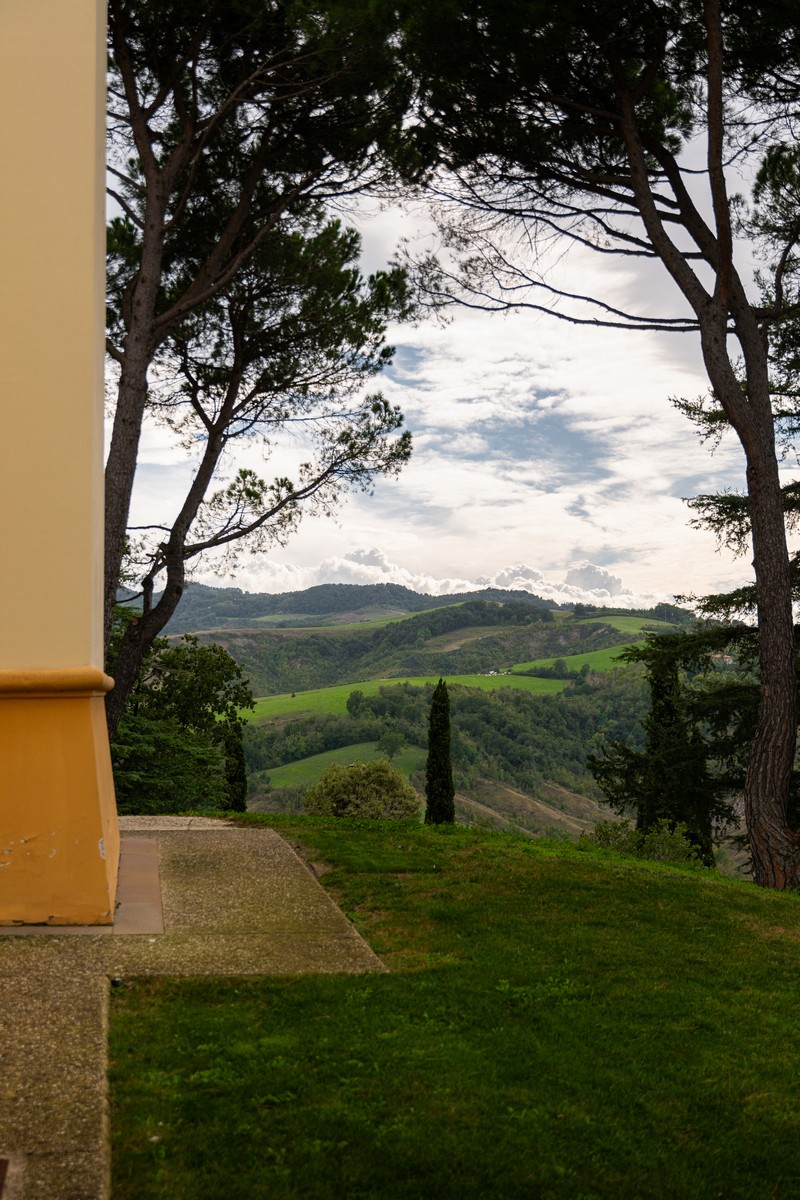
(59, 842)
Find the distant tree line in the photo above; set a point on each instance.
(674, 614)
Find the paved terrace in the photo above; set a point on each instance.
(196, 897)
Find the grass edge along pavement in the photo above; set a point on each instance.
(557, 1022)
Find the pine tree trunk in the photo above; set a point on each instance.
(137, 354)
(136, 641)
(774, 847)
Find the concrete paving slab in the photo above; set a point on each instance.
(139, 904)
(12, 1175)
(138, 823)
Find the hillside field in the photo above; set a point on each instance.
(595, 660)
(306, 771)
(362, 619)
(334, 699)
(628, 624)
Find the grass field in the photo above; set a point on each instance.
(555, 1024)
(467, 633)
(596, 660)
(371, 619)
(334, 699)
(627, 624)
(308, 770)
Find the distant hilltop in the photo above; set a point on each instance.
(204, 608)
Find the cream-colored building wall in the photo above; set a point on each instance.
(52, 58)
(59, 838)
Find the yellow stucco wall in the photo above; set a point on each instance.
(59, 840)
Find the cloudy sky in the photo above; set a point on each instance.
(547, 456)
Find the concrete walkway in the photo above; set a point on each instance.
(235, 902)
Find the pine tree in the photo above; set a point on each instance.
(439, 789)
(671, 778)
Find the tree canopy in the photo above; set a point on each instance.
(679, 776)
(372, 790)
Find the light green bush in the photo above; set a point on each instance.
(375, 790)
(666, 844)
(663, 843)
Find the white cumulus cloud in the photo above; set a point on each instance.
(592, 578)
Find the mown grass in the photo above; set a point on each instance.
(306, 771)
(555, 1024)
(334, 699)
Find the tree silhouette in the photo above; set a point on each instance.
(439, 789)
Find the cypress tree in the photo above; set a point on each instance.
(230, 735)
(439, 789)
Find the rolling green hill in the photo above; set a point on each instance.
(516, 734)
(528, 740)
(204, 608)
(306, 771)
(595, 660)
(469, 638)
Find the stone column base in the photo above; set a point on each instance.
(59, 838)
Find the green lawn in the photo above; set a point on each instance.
(555, 1025)
(308, 770)
(334, 699)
